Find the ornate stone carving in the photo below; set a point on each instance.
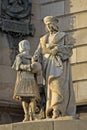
(15, 20)
(16, 16)
(16, 9)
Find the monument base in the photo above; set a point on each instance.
(47, 125)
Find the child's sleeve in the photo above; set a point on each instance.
(16, 64)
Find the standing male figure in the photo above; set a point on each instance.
(53, 54)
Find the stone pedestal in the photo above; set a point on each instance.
(47, 125)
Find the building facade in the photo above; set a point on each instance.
(72, 16)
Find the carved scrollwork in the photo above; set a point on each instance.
(16, 9)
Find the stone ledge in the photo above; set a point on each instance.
(47, 125)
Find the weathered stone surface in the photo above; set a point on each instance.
(70, 125)
(75, 21)
(34, 43)
(37, 24)
(36, 11)
(75, 91)
(80, 89)
(35, 1)
(82, 92)
(48, 125)
(7, 75)
(5, 56)
(79, 72)
(38, 125)
(82, 125)
(6, 127)
(73, 57)
(83, 116)
(46, 1)
(72, 6)
(5, 118)
(6, 91)
(65, 125)
(79, 36)
(15, 26)
(81, 54)
(3, 41)
(54, 9)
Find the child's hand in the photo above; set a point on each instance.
(34, 58)
(25, 67)
(36, 67)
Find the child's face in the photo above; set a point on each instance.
(24, 46)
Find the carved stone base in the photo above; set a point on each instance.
(47, 125)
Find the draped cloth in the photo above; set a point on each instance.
(57, 74)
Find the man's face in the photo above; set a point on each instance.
(52, 27)
(49, 27)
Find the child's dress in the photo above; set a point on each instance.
(26, 86)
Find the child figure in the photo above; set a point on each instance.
(26, 88)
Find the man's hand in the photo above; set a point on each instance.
(54, 51)
(45, 50)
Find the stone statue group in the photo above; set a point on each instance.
(52, 59)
